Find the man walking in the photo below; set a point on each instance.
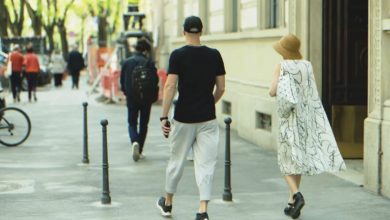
(139, 82)
(198, 69)
(75, 65)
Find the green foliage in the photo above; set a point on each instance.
(132, 1)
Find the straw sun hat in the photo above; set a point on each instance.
(288, 46)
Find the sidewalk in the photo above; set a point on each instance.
(45, 179)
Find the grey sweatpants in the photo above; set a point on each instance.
(203, 139)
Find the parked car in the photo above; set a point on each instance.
(45, 75)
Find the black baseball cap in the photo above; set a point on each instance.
(193, 25)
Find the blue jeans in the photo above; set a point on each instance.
(138, 133)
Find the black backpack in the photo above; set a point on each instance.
(144, 83)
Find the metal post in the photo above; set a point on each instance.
(85, 152)
(227, 194)
(106, 199)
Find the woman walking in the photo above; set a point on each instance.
(306, 142)
(57, 67)
(17, 60)
(31, 63)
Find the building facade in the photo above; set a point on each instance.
(346, 42)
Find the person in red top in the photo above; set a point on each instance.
(32, 67)
(17, 60)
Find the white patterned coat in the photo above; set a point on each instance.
(306, 142)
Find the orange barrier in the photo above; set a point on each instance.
(108, 75)
(162, 75)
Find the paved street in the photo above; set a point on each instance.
(44, 177)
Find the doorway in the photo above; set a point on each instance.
(344, 74)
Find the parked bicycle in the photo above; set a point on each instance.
(15, 125)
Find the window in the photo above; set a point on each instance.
(263, 121)
(226, 108)
(216, 16)
(249, 14)
(191, 7)
(273, 8)
(286, 11)
(234, 20)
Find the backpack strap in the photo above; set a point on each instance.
(145, 62)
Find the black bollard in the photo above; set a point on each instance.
(227, 194)
(106, 199)
(85, 152)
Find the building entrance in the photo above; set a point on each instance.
(344, 75)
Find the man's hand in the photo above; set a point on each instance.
(165, 127)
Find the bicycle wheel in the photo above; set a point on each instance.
(15, 126)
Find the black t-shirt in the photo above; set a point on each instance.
(197, 68)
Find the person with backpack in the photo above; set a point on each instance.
(200, 74)
(139, 82)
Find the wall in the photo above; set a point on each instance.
(377, 124)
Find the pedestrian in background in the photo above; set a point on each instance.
(306, 142)
(32, 69)
(200, 74)
(17, 60)
(75, 65)
(57, 67)
(139, 78)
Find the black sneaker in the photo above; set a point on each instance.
(165, 210)
(299, 202)
(289, 208)
(202, 216)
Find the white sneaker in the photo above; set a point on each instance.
(136, 154)
(142, 156)
(190, 158)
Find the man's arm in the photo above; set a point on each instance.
(123, 79)
(219, 87)
(169, 93)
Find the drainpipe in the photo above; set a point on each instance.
(380, 150)
(380, 155)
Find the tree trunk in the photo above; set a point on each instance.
(63, 32)
(50, 35)
(16, 26)
(102, 31)
(37, 25)
(36, 18)
(64, 40)
(19, 24)
(4, 16)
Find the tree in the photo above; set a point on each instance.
(104, 11)
(98, 10)
(4, 16)
(35, 16)
(80, 11)
(16, 25)
(61, 25)
(14, 22)
(50, 22)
